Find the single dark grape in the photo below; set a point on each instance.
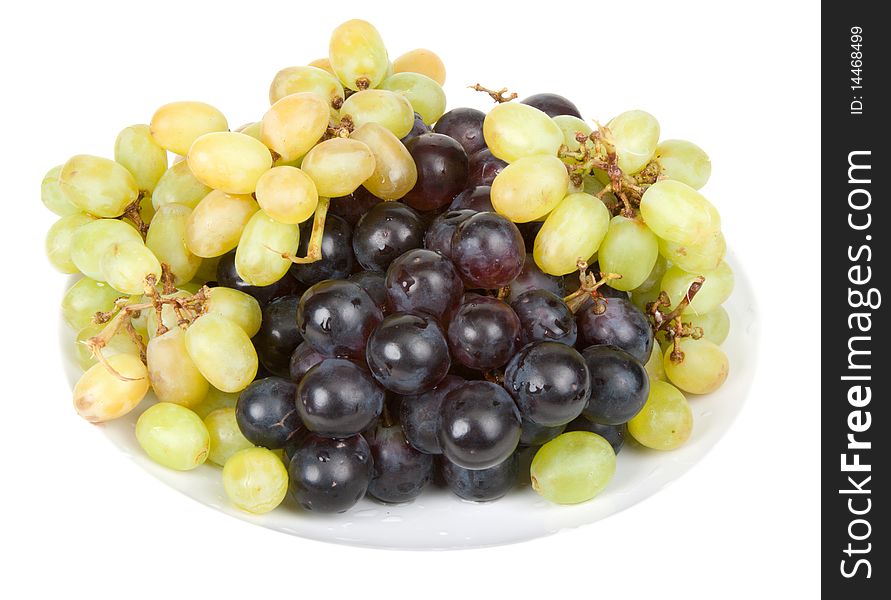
(418, 128)
(442, 171)
(481, 485)
(228, 277)
(483, 167)
(351, 208)
(400, 472)
(544, 317)
(338, 398)
(553, 105)
(484, 332)
(488, 251)
(386, 232)
(533, 278)
(465, 125)
(374, 285)
(529, 231)
(439, 235)
(419, 415)
(330, 474)
(336, 317)
(533, 434)
(408, 353)
(303, 359)
(337, 254)
(478, 198)
(266, 413)
(619, 385)
(621, 324)
(424, 281)
(278, 336)
(614, 434)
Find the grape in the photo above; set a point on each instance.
(530, 188)
(477, 199)
(550, 383)
(533, 434)
(423, 281)
(619, 385)
(423, 61)
(544, 317)
(614, 434)
(622, 325)
(533, 278)
(572, 232)
(514, 131)
(336, 317)
(214, 400)
(179, 185)
(425, 95)
(484, 332)
(136, 150)
(418, 128)
(97, 185)
(126, 266)
(101, 396)
(167, 240)
(302, 360)
(419, 415)
(173, 436)
(483, 167)
(388, 109)
(337, 260)
(294, 124)
(230, 162)
(678, 213)
(635, 134)
(222, 351)
(358, 55)
(169, 318)
(481, 485)
(408, 353)
(53, 197)
(654, 367)
(225, 437)
(654, 279)
(529, 231)
(235, 305)
(351, 207)
(400, 472)
(442, 171)
(629, 249)
(480, 425)
(553, 105)
(91, 242)
(338, 398)
(255, 480)
(177, 125)
(384, 233)
(278, 336)
(310, 79)
(267, 414)
(488, 251)
(715, 324)
(440, 233)
(715, 289)
(695, 258)
(84, 299)
(573, 467)
(395, 172)
(324, 64)
(684, 161)
(375, 286)
(172, 373)
(227, 277)
(120, 343)
(571, 126)
(59, 239)
(287, 194)
(464, 125)
(703, 368)
(330, 475)
(258, 258)
(216, 224)
(666, 420)
(338, 166)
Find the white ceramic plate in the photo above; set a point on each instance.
(439, 520)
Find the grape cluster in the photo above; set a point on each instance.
(361, 290)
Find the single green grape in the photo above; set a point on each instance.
(167, 240)
(395, 172)
(101, 395)
(52, 196)
(425, 95)
(172, 373)
(237, 306)
(137, 151)
(629, 249)
(715, 324)
(230, 162)
(294, 124)
(635, 134)
(388, 109)
(572, 232)
(339, 166)
(678, 213)
(177, 125)
(666, 421)
(84, 299)
(216, 223)
(92, 241)
(716, 288)
(258, 258)
(126, 266)
(255, 480)
(295, 80)
(703, 368)
(695, 258)
(98, 185)
(173, 436)
(530, 188)
(179, 185)
(573, 467)
(59, 238)
(223, 352)
(357, 55)
(514, 131)
(214, 400)
(225, 437)
(684, 161)
(655, 367)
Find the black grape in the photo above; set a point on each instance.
(619, 385)
(553, 105)
(330, 474)
(544, 317)
(336, 317)
(408, 353)
(266, 412)
(338, 398)
(441, 231)
(484, 332)
(465, 125)
(337, 254)
(483, 167)
(478, 198)
(419, 415)
(442, 171)
(621, 324)
(399, 472)
(481, 485)
(278, 336)
(386, 232)
(423, 281)
(488, 251)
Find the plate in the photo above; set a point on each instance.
(440, 520)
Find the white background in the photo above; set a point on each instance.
(740, 80)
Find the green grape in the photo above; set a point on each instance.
(654, 279)
(655, 368)
(126, 266)
(177, 125)
(168, 315)
(573, 467)
(715, 289)
(225, 437)
(230, 162)
(678, 213)
(120, 343)
(640, 298)
(215, 400)
(715, 324)
(572, 232)
(178, 185)
(237, 306)
(53, 197)
(702, 370)
(252, 129)
(383, 107)
(629, 249)
(338, 166)
(695, 257)
(255, 480)
(294, 80)
(684, 161)
(358, 55)
(570, 126)
(84, 299)
(530, 188)
(215, 225)
(294, 124)
(666, 421)
(97, 185)
(173, 436)
(138, 152)
(91, 242)
(287, 194)
(223, 352)
(59, 238)
(514, 131)
(425, 95)
(324, 64)
(635, 134)
(395, 172)
(258, 258)
(173, 375)
(423, 61)
(167, 240)
(101, 395)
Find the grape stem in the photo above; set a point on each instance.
(589, 289)
(496, 377)
(670, 323)
(314, 248)
(341, 129)
(132, 213)
(500, 96)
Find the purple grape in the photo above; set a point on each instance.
(337, 254)
(533, 434)
(488, 251)
(329, 474)
(338, 398)
(619, 385)
(374, 285)
(553, 105)
(423, 281)
(621, 324)
(477, 198)
(441, 231)
(278, 336)
(408, 353)
(529, 231)
(483, 167)
(544, 317)
(419, 415)
(442, 171)
(614, 434)
(484, 332)
(400, 472)
(336, 317)
(418, 128)
(303, 359)
(386, 232)
(465, 125)
(533, 278)
(351, 208)
(481, 485)
(266, 414)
